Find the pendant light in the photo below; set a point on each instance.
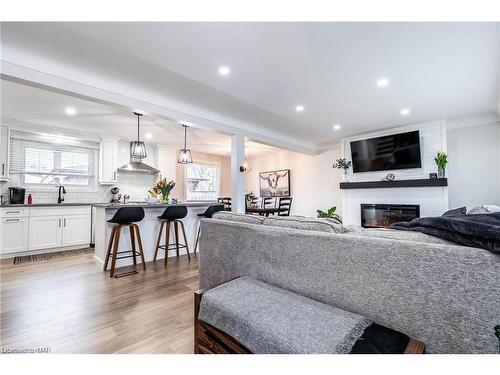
(185, 154)
(138, 148)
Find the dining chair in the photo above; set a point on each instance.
(268, 202)
(226, 201)
(285, 204)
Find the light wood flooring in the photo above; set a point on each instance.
(71, 306)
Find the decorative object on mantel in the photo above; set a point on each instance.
(433, 176)
(138, 148)
(274, 183)
(389, 177)
(162, 188)
(343, 164)
(330, 214)
(185, 153)
(441, 160)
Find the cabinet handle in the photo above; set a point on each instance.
(59, 223)
(12, 220)
(114, 176)
(13, 212)
(64, 221)
(3, 169)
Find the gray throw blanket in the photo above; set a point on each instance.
(270, 320)
(482, 231)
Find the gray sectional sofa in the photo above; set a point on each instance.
(443, 294)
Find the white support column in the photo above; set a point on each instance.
(237, 177)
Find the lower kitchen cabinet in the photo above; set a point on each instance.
(14, 235)
(24, 229)
(75, 230)
(45, 232)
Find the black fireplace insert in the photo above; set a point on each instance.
(383, 215)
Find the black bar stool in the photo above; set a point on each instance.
(125, 216)
(172, 214)
(207, 214)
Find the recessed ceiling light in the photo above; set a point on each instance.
(405, 112)
(382, 82)
(148, 136)
(224, 70)
(299, 108)
(336, 127)
(70, 111)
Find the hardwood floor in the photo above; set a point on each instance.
(71, 306)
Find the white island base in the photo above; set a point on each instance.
(149, 227)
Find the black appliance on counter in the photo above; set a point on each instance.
(16, 195)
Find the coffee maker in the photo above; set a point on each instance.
(16, 195)
(115, 197)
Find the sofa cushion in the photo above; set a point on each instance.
(456, 211)
(304, 223)
(267, 319)
(242, 218)
(392, 234)
(485, 209)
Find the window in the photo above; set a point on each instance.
(45, 164)
(202, 181)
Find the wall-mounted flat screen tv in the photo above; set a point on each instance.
(396, 151)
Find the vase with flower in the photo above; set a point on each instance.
(163, 189)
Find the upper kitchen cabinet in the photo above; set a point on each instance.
(108, 162)
(4, 153)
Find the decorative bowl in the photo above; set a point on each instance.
(150, 200)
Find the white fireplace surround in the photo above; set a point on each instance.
(433, 201)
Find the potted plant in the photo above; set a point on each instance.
(163, 188)
(330, 214)
(441, 159)
(343, 164)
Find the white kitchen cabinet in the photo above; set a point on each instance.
(75, 230)
(54, 227)
(108, 162)
(4, 153)
(45, 232)
(14, 234)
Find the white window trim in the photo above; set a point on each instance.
(206, 162)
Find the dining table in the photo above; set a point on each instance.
(264, 211)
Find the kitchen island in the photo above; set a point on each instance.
(149, 227)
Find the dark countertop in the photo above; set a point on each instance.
(45, 205)
(113, 205)
(155, 205)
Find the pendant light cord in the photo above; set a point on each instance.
(138, 124)
(185, 137)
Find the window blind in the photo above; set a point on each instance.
(52, 163)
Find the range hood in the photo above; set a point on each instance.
(135, 166)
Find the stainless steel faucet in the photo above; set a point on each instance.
(60, 199)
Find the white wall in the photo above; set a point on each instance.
(314, 184)
(474, 167)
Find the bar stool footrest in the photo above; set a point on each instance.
(131, 252)
(172, 246)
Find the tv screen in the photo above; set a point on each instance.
(396, 151)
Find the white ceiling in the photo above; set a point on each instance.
(437, 70)
(30, 107)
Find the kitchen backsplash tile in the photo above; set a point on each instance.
(134, 184)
